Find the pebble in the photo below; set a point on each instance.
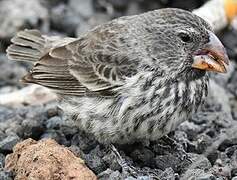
(8, 143)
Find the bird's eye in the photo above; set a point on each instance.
(185, 37)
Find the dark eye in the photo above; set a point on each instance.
(185, 37)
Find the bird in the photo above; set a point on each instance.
(134, 78)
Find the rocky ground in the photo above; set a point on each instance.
(206, 144)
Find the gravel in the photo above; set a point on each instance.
(206, 144)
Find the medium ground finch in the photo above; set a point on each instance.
(134, 78)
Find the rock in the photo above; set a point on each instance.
(54, 122)
(56, 135)
(8, 143)
(228, 139)
(197, 174)
(221, 171)
(4, 175)
(86, 143)
(6, 113)
(190, 129)
(212, 156)
(138, 178)
(77, 151)
(46, 159)
(96, 19)
(30, 95)
(2, 160)
(234, 173)
(82, 7)
(33, 123)
(144, 156)
(65, 20)
(182, 138)
(120, 5)
(230, 150)
(34, 12)
(203, 141)
(198, 162)
(11, 72)
(94, 160)
(52, 110)
(168, 173)
(109, 174)
(10, 122)
(167, 161)
(53, 3)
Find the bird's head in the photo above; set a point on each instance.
(185, 44)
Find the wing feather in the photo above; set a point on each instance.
(91, 65)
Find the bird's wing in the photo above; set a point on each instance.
(93, 64)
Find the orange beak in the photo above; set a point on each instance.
(212, 57)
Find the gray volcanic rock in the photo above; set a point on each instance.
(8, 143)
(20, 15)
(11, 72)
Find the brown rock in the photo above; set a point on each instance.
(47, 160)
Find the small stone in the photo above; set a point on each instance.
(54, 123)
(33, 123)
(86, 143)
(56, 135)
(191, 129)
(182, 138)
(32, 128)
(93, 161)
(2, 160)
(119, 4)
(234, 172)
(166, 161)
(138, 178)
(230, 150)
(52, 111)
(212, 156)
(77, 151)
(4, 175)
(65, 20)
(16, 20)
(194, 174)
(10, 73)
(198, 162)
(206, 177)
(168, 173)
(82, 7)
(8, 143)
(144, 156)
(109, 174)
(203, 142)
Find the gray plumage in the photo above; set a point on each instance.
(127, 80)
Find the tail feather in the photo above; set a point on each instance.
(28, 45)
(49, 70)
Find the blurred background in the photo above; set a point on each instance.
(214, 126)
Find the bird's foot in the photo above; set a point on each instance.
(126, 168)
(177, 147)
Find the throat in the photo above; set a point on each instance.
(194, 74)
